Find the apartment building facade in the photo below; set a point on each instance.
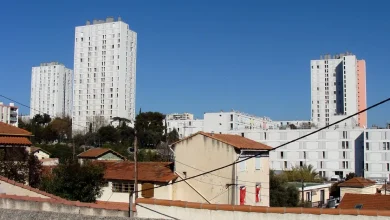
(51, 90)
(377, 154)
(331, 152)
(338, 89)
(104, 72)
(9, 114)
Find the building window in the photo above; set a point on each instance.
(321, 164)
(366, 135)
(122, 187)
(231, 126)
(388, 166)
(366, 167)
(301, 163)
(281, 155)
(242, 166)
(344, 154)
(231, 117)
(323, 154)
(345, 134)
(304, 155)
(345, 144)
(257, 163)
(367, 146)
(242, 135)
(285, 164)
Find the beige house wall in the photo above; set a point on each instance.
(10, 189)
(366, 190)
(200, 153)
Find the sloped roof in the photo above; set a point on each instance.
(368, 201)
(233, 140)
(357, 182)
(147, 171)
(9, 130)
(35, 149)
(9, 140)
(98, 152)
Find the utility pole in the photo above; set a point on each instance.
(135, 165)
(131, 212)
(302, 199)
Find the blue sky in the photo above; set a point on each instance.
(199, 56)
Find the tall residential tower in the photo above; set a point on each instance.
(104, 73)
(338, 89)
(51, 90)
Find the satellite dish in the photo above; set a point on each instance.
(130, 150)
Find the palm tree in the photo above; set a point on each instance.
(306, 173)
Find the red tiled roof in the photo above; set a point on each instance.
(369, 201)
(7, 140)
(97, 152)
(261, 209)
(386, 187)
(233, 140)
(9, 130)
(357, 182)
(147, 171)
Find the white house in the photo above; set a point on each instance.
(100, 154)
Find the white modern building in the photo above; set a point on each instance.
(377, 154)
(185, 127)
(180, 116)
(223, 122)
(9, 114)
(51, 90)
(104, 73)
(338, 89)
(331, 152)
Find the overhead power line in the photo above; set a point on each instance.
(282, 145)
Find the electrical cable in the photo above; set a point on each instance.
(289, 142)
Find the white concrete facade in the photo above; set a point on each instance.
(331, 152)
(9, 114)
(185, 127)
(377, 154)
(334, 90)
(51, 90)
(104, 72)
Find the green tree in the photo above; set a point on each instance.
(305, 172)
(173, 136)
(18, 165)
(350, 176)
(64, 153)
(150, 129)
(282, 194)
(63, 127)
(75, 182)
(108, 134)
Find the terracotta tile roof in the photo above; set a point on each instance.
(9, 130)
(8, 140)
(233, 140)
(147, 171)
(261, 209)
(369, 201)
(97, 152)
(357, 182)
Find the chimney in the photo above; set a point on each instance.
(212, 133)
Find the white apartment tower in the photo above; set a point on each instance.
(338, 89)
(51, 90)
(9, 114)
(104, 73)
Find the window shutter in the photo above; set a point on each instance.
(147, 190)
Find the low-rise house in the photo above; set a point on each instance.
(100, 154)
(316, 193)
(120, 180)
(39, 152)
(357, 185)
(245, 183)
(11, 136)
(365, 201)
